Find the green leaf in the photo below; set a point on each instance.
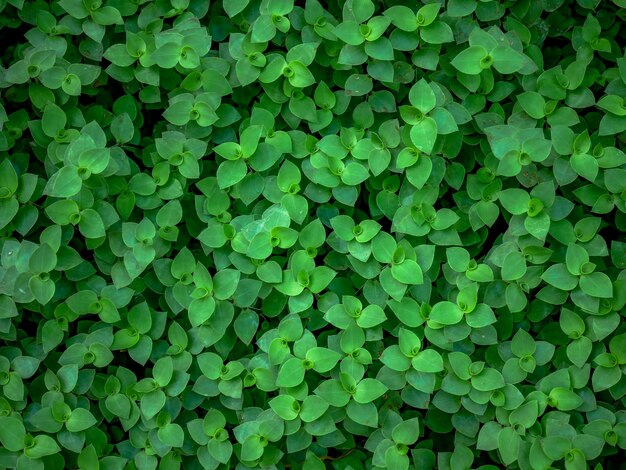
(514, 200)
(64, 183)
(558, 276)
(323, 359)
(437, 33)
(402, 17)
(422, 96)
(585, 165)
(523, 344)
(446, 313)
(234, 7)
(302, 76)
(407, 272)
(171, 435)
(333, 393)
(80, 419)
(428, 360)
(597, 285)
(291, 373)
(231, 172)
(509, 443)
(469, 60)
(313, 235)
(312, 408)
(514, 266)
(564, 399)
(91, 224)
(406, 432)
(43, 259)
(349, 32)
(532, 103)
(371, 316)
(75, 8)
(358, 85)
(424, 134)
(12, 433)
(225, 283)
(365, 414)
(122, 128)
(576, 257)
(368, 390)
(285, 406)
(8, 179)
(53, 120)
(506, 60)
(252, 448)
(487, 380)
(71, 85)
(42, 446)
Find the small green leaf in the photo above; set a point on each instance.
(470, 60)
(291, 373)
(12, 433)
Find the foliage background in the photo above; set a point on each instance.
(346, 234)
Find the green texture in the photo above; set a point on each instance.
(344, 234)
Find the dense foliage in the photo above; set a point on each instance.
(354, 234)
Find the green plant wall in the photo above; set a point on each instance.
(344, 234)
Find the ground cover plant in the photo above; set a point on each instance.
(278, 234)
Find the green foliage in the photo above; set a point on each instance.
(352, 234)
